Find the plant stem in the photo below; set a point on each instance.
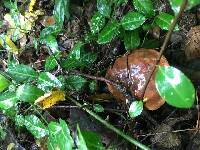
(108, 125)
(167, 38)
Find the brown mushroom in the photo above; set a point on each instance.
(132, 71)
(192, 43)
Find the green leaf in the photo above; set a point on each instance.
(4, 83)
(22, 73)
(61, 10)
(81, 142)
(75, 82)
(151, 43)
(97, 22)
(192, 3)
(35, 126)
(109, 32)
(98, 108)
(175, 5)
(78, 58)
(119, 2)
(93, 86)
(174, 87)
(51, 62)
(145, 7)
(104, 7)
(47, 81)
(19, 120)
(28, 93)
(131, 40)
(132, 20)
(59, 136)
(135, 109)
(8, 100)
(164, 21)
(92, 140)
(51, 42)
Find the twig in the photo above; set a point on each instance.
(111, 127)
(167, 38)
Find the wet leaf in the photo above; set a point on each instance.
(78, 58)
(28, 93)
(131, 40)
(8, 100)
(92, 140)
(97, 22)
(81, 141)
(104, 7)
(164, 21)
(109, 32)
(51, 42)
(132, 20)
(135, 109)
(51, 62)
(75, 82)
(192, 3)
(175, 5)
(4, 83)
(35, 126)
(59, 136)
(22, 73)
(19, 120)
(174, 87)
(50, 99)
(47, 81)
(98, 108)
(145, 7)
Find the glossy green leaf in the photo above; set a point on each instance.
(75, 82)
(28, 93)
(132, 20)
(104, 7)
(51, 42)
(35, 126)
(98, 108)
(8, 100)
(19, 120)
(97, 22)
(81, 141)
(145, 7)
(164, 21)
(59, 136)
(51, 62)
(47, 81)
(92, 140)
(174, 87)
(175, 5)
(4, 83)
(61, 10)
(22, 73)
(78, 58)
(135, 109)
(131, 40)
(109, 32)
(192, 3)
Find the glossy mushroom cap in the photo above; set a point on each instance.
(132, 71)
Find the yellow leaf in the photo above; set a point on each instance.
(11, 45)
(31, 5)
(50, 99)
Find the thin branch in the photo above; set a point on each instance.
(167, 38)
(108, 125)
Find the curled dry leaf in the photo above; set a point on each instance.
(192, 43)
(132, 71)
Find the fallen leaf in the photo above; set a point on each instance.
(50, 99)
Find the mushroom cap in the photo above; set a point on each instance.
(132, 71)
(192, 43)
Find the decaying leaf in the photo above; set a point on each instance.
(132, 71)
(8, 44)
(50, 99)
